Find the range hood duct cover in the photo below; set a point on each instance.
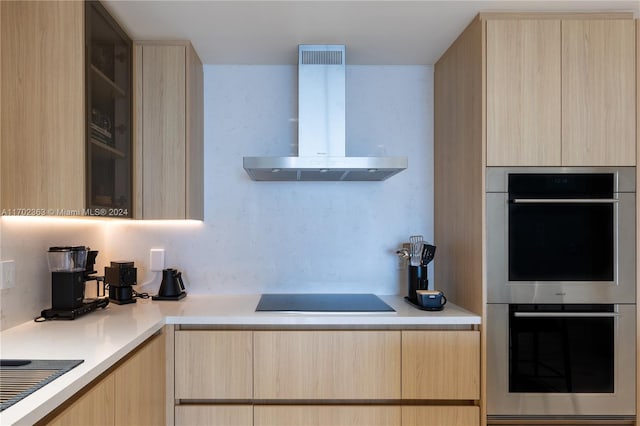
(322, 128)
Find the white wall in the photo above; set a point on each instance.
(267, 236)
(300, 236)
(26, 241)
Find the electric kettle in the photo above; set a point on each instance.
(172, 286)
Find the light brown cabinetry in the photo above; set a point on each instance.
(213, 364)
(440, 416)
(523, 92)
(327, 364)
(133, 393)
(42, 149)
(95, 406)
(441, 365)
(214, 415)
(560, 91)
(598, 93)
(326, 415)
(169, 120)
(327, 377)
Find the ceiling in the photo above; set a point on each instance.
(374, 32)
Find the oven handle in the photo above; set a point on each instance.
(563, 200)
(566, 314)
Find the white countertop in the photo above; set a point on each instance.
(103, 337)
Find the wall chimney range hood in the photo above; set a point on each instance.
(322, 129)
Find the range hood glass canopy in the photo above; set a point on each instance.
(322, 128)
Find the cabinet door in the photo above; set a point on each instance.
(326, 364)
(140, 385)
(95, 407)
(440, 416)
(523, 92)
(214, 415)
(598, 93)
(441, 364)
(42, 149)
(163, 131)
(324, 415)
(213, 364)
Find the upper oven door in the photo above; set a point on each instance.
(561, 235)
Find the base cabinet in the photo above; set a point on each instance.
(326, 415)
(133, 393)
(94, 407)
(327, 377)
(214, 415)
(441, 416)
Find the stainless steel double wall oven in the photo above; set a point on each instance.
(561, 280)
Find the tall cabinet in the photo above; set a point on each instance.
(523, 90)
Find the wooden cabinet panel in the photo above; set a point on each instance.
(93, 407)
(440, 416)
(42, 150)
(326, 364)
(523, 92)
(169, 111)
(213, 364)
(140, 386)
(214, 415)
(318, 415)
(163, 129)
(598, 92)
(441, 364)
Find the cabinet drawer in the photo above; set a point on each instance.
(326, 364)
(214, 415)
(440, 416)
(213, 364)
(326, 415)
(441, 364)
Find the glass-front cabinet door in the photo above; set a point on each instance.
(108, 133)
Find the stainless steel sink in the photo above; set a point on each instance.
(21, 377)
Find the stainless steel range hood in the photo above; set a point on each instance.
(321, 128)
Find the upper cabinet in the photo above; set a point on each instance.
(65, 110)
(109, 153)
(560, 92)
(169, 131)
(42, 107)
(598, 93)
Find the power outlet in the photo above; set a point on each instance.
(156, 260)
(7, 274)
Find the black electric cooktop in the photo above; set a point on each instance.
(321, 302)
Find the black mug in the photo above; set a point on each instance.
(417, 281)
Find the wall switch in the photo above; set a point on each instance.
(7, 274)
(156, 260)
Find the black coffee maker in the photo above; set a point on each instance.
(71, 268)
(172, 286)
(120, 277)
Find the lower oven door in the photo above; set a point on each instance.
(561, 360)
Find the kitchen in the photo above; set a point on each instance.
(280, 220)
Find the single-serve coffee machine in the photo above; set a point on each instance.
(71, 268)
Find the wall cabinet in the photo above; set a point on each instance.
(42, 151)
(133, 393)
(65, 127)
(169, 120)
(560, 92)
(327, 377)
